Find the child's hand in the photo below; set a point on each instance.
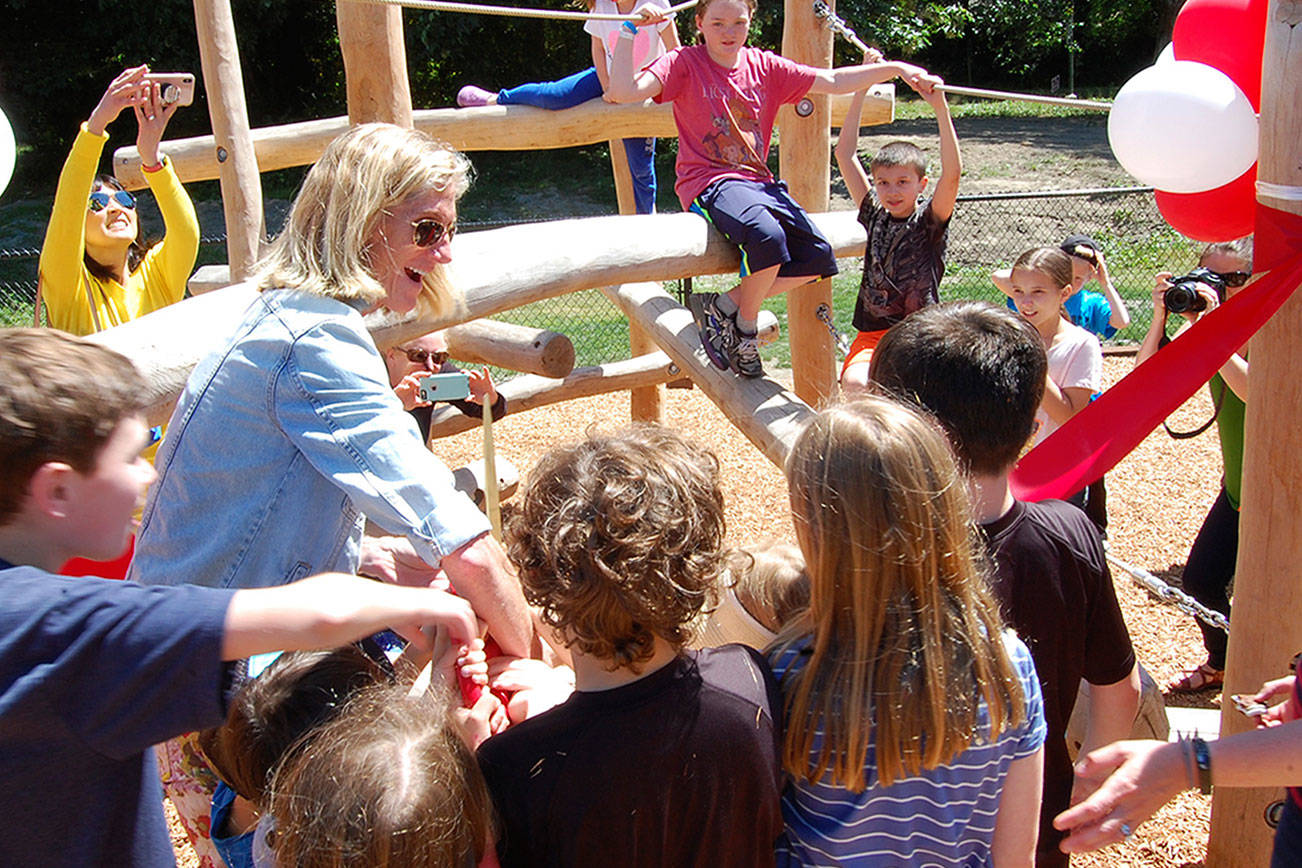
(482, 389)
(408, 390)
(872, 55)
(472, 663)
(535, 685)
(1100, 270)
(649, 15)
(926, 85)
(1286, 710)
(475, 724)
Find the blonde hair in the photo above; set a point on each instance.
(362, 174)
(904, 638)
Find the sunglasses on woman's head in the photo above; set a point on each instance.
(418, 356)
(1235, 278)
(427, 232)
(99, 200)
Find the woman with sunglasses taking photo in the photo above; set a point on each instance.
(94, 271)
(289, 438)
(1209, 569)
(415, 360)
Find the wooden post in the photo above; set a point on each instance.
(1266, 627)
(803, 160)
(375, 63)
(233, 144)
(644, 401)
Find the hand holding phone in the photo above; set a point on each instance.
(445, 387)
(173, 87)
(1248, 705)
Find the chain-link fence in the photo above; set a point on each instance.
(987, 231)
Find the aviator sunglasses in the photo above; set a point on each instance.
(428, 233)
(418, 356)
(99, 200)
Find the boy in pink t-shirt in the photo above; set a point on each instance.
(725, 97)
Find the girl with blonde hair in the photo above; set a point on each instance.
(913, 722)
(289, 437)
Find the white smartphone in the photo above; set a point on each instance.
(173, 87)
(445, 387)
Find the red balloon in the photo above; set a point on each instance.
(1222, 214)
(1229, 35)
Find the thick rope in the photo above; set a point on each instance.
(513, 11)
(838, 26)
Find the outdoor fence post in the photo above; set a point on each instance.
(803, 159)
(375, 63)
(241, 184)
(1267, 619)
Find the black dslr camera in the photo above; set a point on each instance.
(1182, 295)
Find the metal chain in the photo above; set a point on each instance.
(1172, 596)
(824, 314)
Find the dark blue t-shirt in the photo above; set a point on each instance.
(93, 672)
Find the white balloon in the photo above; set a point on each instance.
(8, 151)
(1183, 127)
(1167, 55)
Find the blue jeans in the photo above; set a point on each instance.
(579, 88)
(1288, 837)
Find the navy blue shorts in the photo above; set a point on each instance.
(769, 227)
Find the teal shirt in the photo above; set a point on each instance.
(1229, 423)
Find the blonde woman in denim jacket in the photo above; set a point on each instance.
(287, 438)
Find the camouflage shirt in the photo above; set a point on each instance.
(902, 264)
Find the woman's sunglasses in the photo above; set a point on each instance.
(418, 356)
(99, 200)
(1235, 278)
(428, 233)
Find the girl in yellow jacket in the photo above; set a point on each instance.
(94, 272)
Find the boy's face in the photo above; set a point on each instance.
(107, 497)
(1081, 271)
(724, 28)
(898, 189)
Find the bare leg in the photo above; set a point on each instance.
(757, 286)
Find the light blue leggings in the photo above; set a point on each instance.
(579, 88)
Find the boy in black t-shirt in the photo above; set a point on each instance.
(661, 756)
(979, 369)
(904, 258)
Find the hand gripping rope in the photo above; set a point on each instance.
(513, 11)
(838, 26)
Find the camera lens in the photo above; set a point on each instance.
(1184, 298)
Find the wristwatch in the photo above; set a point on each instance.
(1203, 760)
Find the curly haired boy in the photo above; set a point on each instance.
(662, 756)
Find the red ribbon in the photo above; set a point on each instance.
(1095, 439)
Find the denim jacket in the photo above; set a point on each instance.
(282, 442)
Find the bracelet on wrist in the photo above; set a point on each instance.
(1190, 764)
(1203, 761)
(628, 27)
(154, 168)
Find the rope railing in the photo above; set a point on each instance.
(837, 25)
(514, 11)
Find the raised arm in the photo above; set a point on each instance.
(600, 64)
(625, 85)
(857, 182)
(945, 193)
(1002, 278)
(1120, 315)
(176, 255)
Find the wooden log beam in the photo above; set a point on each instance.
(770, 416)
(491, 128)
(507, 345)
(531, 392)
(229, 151)
(494, 271)
(375, 63)
(1265, 629)
(803, 163)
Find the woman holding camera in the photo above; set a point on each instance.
(1209, 568)
(289, 437)
(94, 271)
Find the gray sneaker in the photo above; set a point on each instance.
(718, 331)
(744, 358)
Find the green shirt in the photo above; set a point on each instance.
(1229, 423)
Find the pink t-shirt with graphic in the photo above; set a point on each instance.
(725, 116)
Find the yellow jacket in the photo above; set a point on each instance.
(68, 287)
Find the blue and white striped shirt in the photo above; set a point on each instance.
(944, 816)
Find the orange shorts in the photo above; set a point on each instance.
(861, 351)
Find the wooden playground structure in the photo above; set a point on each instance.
(498, 270)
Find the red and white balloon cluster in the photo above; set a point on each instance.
(1188, 124)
